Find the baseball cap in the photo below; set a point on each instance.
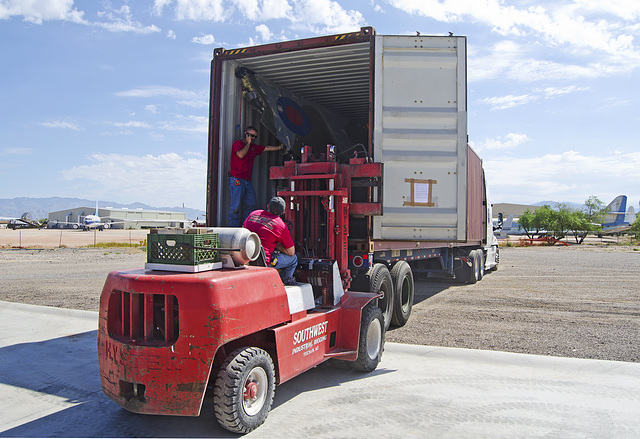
(276, 205)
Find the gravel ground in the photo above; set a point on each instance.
(579, 301)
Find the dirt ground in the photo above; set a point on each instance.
(578, 301)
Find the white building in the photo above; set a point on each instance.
(118, 218)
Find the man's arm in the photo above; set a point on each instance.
(274, 148)
(242, 152)
(288, 251)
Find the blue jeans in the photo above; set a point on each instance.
(286, 264)
(242, 196)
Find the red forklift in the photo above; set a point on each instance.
(167, 336)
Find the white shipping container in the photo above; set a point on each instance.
(421, 137)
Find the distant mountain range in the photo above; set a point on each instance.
(40, 207)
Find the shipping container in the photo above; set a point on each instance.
(398, 101)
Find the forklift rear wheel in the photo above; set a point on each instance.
(371, 343)
(403, 293)
(244, 390)
(380, 282)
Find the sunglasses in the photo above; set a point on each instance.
(253, 136)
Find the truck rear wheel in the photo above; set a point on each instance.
(403, 292)
(380, 282)
(244, 390)
(371, 342)
(481, 262)
(474, 271)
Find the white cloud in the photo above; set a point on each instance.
(121, 20)
(510, 141)
(325, 16)
(595, 30)
(191, 124)
(16, 151)
(201, 10)
(158, 6)
(318, 16)
(204, 39)
(183, 97)
(566, 176)
(132, 124)
(171, 35)
(37, 11)
(510, 101)
(162, 180)
(263, 10)
(264, 32)
(509, 60)
(61, 124)
(560, 23)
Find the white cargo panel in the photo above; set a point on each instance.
(420, 135)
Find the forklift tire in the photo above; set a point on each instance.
(380, 282)
(371, 342)
(403, 293)
(244, 390)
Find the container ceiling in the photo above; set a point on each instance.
(336, 77)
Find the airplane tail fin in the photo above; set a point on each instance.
(630, 217)
(508, 223)
(617, 210)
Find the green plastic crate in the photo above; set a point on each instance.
(182, 249)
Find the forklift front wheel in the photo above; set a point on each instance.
(244, 390)
(371, 342)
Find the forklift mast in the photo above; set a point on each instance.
(329, 207)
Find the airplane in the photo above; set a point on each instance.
(618, 218)
(502, 228)
(90, 222)
(25, 221)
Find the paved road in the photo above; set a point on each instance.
(50, 387)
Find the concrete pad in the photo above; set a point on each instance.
(50, 387)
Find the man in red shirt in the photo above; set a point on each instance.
(275, 237)
(242, 194)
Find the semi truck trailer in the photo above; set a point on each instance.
(379, 178)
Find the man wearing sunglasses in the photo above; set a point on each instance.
(243, 196)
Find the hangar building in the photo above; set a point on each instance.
(122, 218)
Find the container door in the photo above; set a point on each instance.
(421, 137)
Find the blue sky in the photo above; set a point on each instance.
(109, 99)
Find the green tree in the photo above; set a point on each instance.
(581, 225)
(635, 226)
(528, 223)
(545, 219)
(595, 209)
